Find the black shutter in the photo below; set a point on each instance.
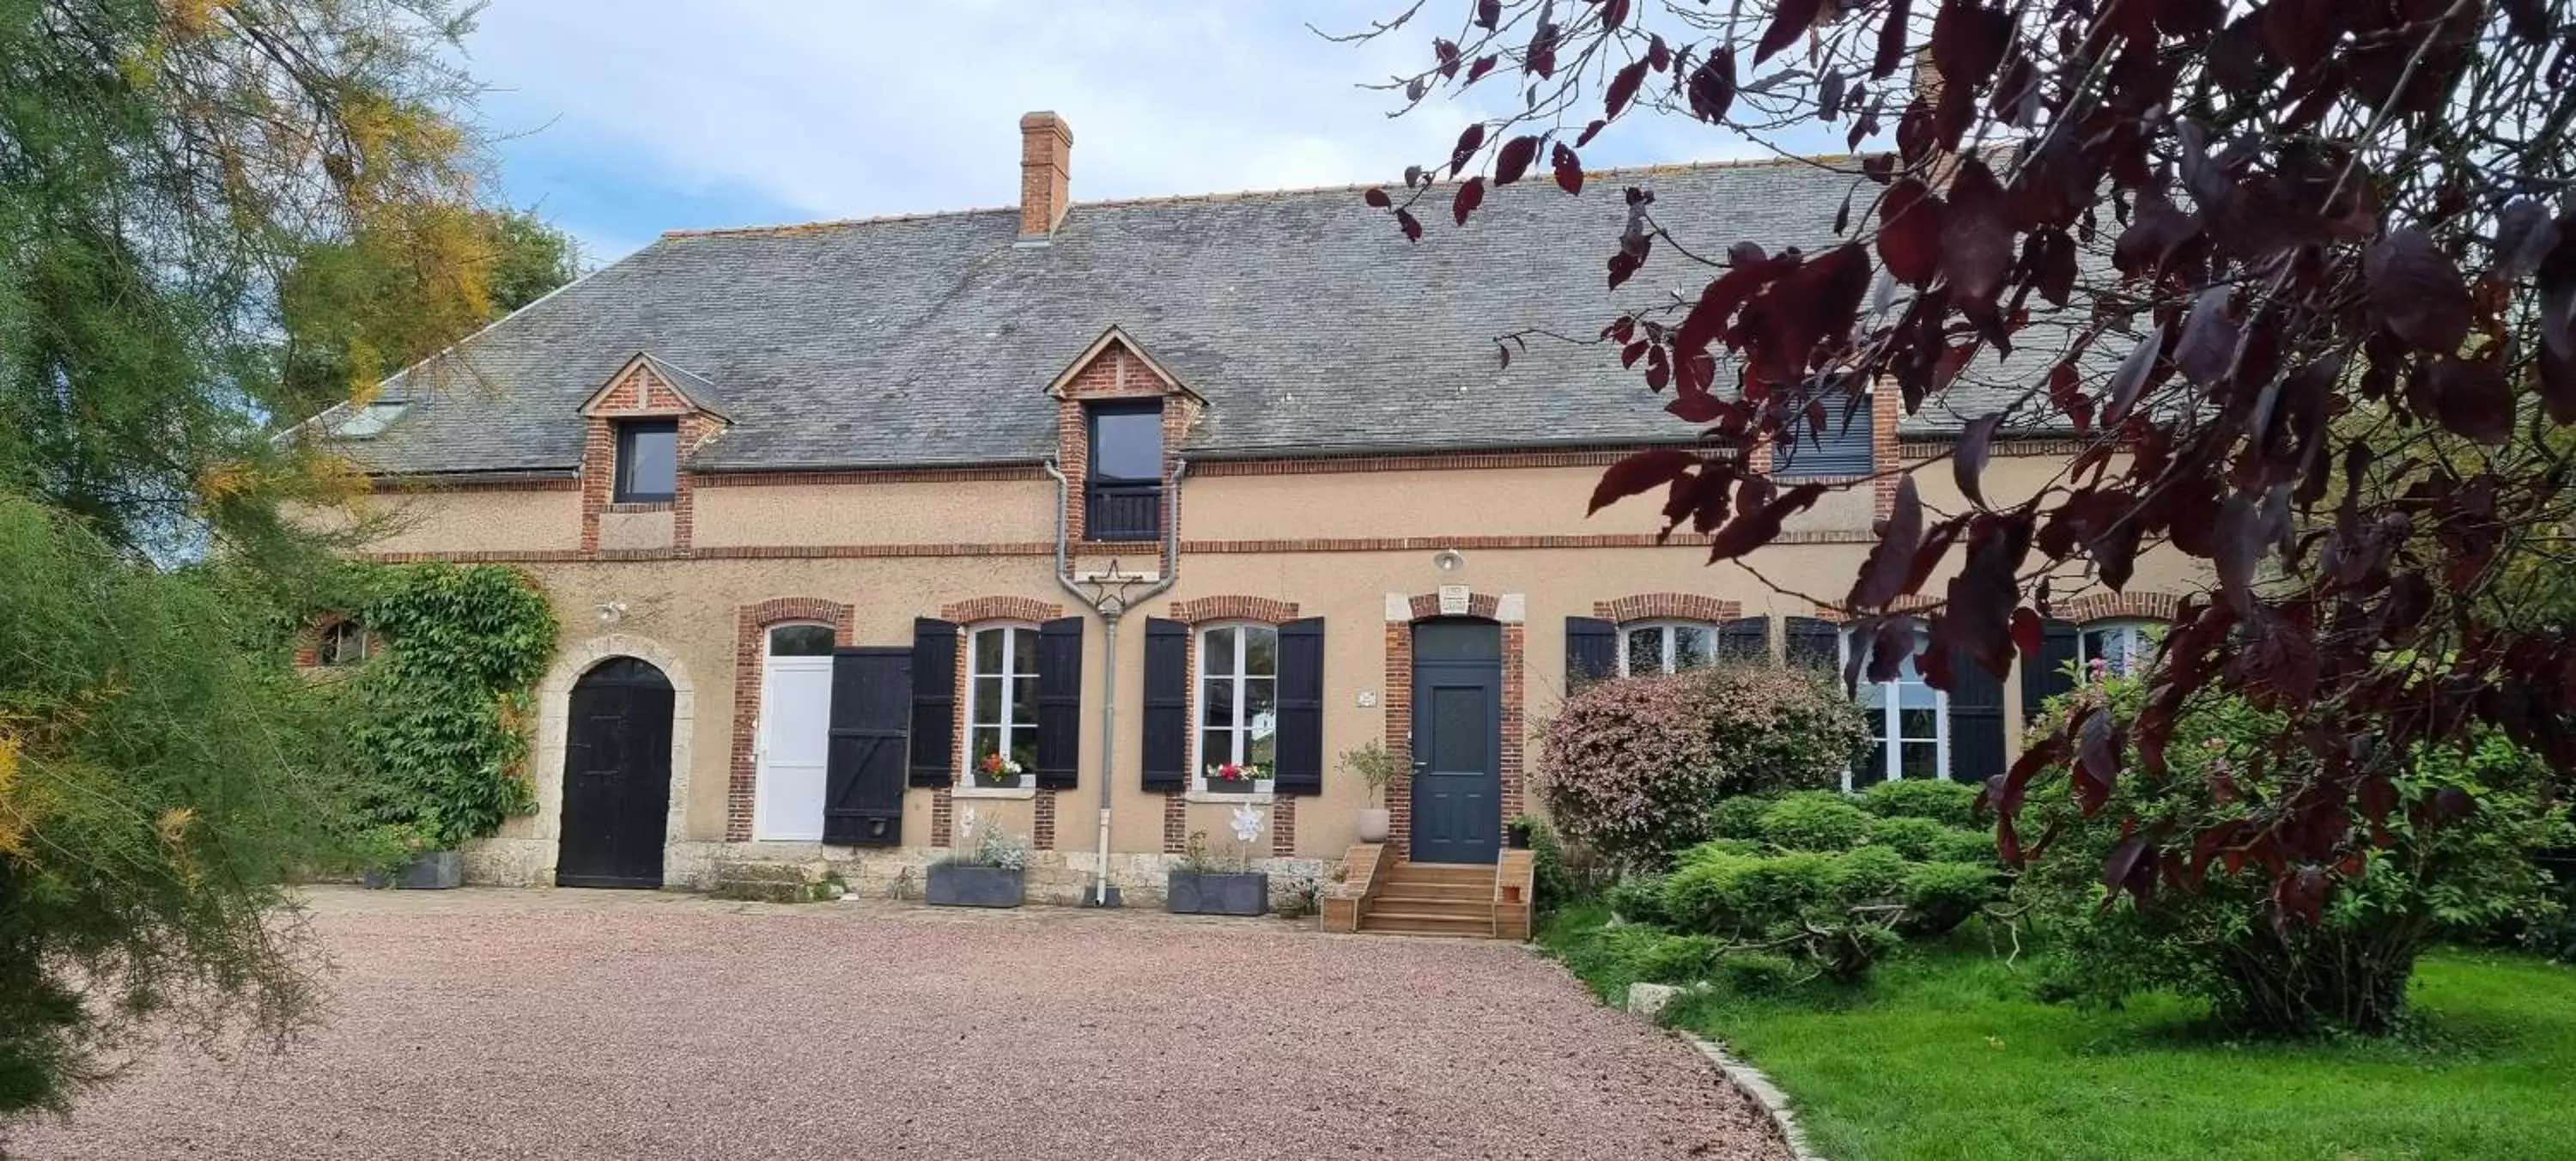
(1299, 765)
(934, 702)
(1976, 720)
(1814, 643)
(1746, 639)
(1167, 705)
(863, 772)
(1591, 650)
(1060, 703)
(2045, 676)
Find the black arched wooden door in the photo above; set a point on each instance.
(617, 777)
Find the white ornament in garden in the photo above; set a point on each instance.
(1247, 823)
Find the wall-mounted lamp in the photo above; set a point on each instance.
(611, 612)
(1449, 560)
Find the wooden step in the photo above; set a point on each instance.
(1462, 892)
(1426, 923)
(1440, 873)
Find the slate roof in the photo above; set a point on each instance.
(1304, 319)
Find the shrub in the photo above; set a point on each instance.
(2262, 967)
(1950, 803)
(1830, 910)
(1614, 957)
(1815, 821)
(1966, 846)
(1637, 768)
(1941, 896)
(1739, 817)
(1638, 899)
(1552, 883)
(1914, 838)
(1756, 973)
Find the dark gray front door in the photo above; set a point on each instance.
(1457, 741)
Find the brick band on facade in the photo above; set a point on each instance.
(752, 624)
(1232, 608)
(1667, 606)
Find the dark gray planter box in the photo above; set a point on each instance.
(957, 885)
(427, 871)
(1216, 893)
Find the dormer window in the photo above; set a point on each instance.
(1846, 447)
(648, 461)
(1124, 491)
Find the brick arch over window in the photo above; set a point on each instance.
(750, 656)
(308, 644)
(1233, 608)
(1916, 603)
(1667, 606)
(2152, 606)
(967, 612)
(1509, 610)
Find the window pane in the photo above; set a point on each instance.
(1024, 701)
(1216, 653)
(1919, 724)
(1915, 695)
(650, 463)
(1024, 651)
(800, 641)
(1261, 651)
(1691, 647)
(1024, 749)
(988, 650)
(985, 740)
(988, 700)
(1127, 444)
(1262, 750)
(1260, 707)
(1217, 695)
(1646, 650)
(1922, 760)
(1872, 769)
(1216, 747)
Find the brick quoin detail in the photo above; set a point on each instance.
(943, 817)
(2093, 607)
(1399, 711)
(1283, 826)
(750, 666)
(969, 612)
(1176, 822)
(1042, 821)
(1233, 608)
(1674, 606)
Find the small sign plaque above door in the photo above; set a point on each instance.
(1453, 600)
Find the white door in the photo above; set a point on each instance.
(795, 737)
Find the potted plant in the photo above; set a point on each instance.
(1379, 770)
(998, 771)
(402, 857)
(1238, 778)
(1220, 884)
(988, 869)
(1519, 830)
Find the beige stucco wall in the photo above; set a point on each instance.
(689, 608)
(465, 521)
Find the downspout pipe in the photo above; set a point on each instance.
(1111, 610)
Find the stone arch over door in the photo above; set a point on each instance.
(1509, 611)
(536, 858)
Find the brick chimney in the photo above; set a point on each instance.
(1046, 161)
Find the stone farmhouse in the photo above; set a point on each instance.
(859, 528)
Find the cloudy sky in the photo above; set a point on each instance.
(624, 118)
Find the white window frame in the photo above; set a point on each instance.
(1666, 627)
(1240, 731)
(966, 783)
(760, 784)
(2134, 629)
(1890, 710)
(327, 657)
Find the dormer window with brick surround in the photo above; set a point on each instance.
(648, 461)
(1845, 447)
(1124, 494)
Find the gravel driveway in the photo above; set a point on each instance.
(624, 1025)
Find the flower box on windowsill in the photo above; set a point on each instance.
(966, 885)
(1238, 785)
(1216, 893)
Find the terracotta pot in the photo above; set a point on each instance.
(1374, 824)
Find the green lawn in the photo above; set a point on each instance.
(1946, 1056)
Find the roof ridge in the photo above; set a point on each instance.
(1614, 172)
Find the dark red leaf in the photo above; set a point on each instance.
(1412, 227)
(1976, 238)
(1882, 575)
(2208, 341)
(1470, 196)
(1613, 13)
(1483, 65)
(1789, 21)
(1377, 197)
(1569, 169)
(1642, 472)
(1829, 95)
(1893, 37)
(2027, 631)
(1514, 158)
(1712, 86)
(2416, 292)
(1927, 556)
(1909, 232)
(1623, 87)
(2525, 235)
(1488, 13)
(2472, 399)
(2122, 870)
(2097, 760)
(1700, 407)
(1752, 530)
(1448, 54)
(2131, 378)
(1968, 462)
(1589, 132)
(1469, 141)
(2378, 797)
